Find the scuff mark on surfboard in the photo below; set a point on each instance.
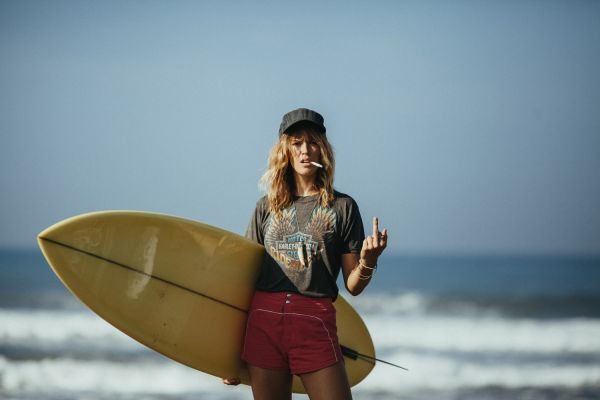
(149, 240)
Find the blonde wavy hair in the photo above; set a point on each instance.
(278, 179)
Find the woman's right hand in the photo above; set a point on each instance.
(231, 381)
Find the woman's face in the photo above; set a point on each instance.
(304, 150)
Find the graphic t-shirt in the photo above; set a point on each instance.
(305, 244)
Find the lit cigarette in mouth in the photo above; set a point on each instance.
(316, 164)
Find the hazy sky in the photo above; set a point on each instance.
(466, 126)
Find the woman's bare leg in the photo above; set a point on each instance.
(327, 383)
(269, 384)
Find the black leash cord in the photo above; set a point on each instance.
(353, 354)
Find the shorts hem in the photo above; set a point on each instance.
(321, 366)
(263, 366)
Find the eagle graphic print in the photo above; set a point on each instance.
(296, 250)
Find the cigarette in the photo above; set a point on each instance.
(316, 164)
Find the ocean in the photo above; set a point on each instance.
(466, 327)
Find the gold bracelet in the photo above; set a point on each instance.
(361, 275)
(362, 264)
(364, 277)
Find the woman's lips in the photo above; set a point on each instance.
(308, 163)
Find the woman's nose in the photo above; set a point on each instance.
(304, 148)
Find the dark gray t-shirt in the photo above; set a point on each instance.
(327, 233)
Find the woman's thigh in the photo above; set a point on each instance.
(327, 383)
(270, 384)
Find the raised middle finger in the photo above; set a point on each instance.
(375, 228)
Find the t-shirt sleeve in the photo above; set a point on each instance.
(255, 231)
(352, 230)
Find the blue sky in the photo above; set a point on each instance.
(467, 127)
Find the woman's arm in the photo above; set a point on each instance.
(358, 270)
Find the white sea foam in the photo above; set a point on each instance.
(511, 306)
(437, 333)
(449, 353)
(59, 327)
(434, 372)
(441, 352)
(99, 376)
(408, 303)
(427, 372)
(486, 334)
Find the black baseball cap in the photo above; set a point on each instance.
(301, 115)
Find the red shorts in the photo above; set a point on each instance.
(292, 332)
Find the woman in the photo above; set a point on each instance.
(310, 232)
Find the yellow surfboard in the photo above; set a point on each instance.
(178, 286)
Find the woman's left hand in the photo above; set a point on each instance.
(374, 245)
